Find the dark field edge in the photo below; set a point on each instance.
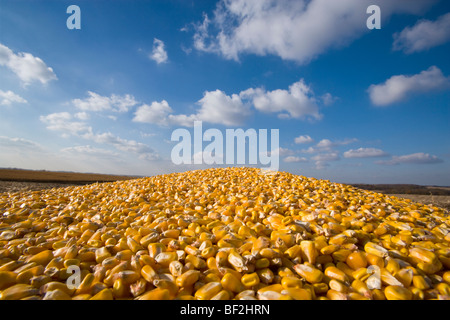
(405, 189)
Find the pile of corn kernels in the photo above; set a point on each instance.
(221, 234)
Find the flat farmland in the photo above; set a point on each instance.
(13, 180)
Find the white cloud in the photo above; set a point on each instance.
(399, 87)
(7, 98)
(90, 151)
(159, 54)
(303, 139)
(19, 143)
(26, 66)
(63, 122)
(332, 156)
(364, 153)
(156, 113)
(425, 34)
(129, 146)
(215, 107)
(296, 30)
(82, 115)
(328, 99)
(415, 158)
(96, 102)
(326, 145)
(298, 102)
(322, 160)
(295, 159)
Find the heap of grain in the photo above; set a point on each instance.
(232, 233)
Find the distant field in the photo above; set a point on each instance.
(13, 180)
(53, 176)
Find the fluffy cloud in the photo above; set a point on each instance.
(415, 158)
(303, 139)
(217, 107)
(326, 145)
(425, 34)
(7, 98)
(96, 102)
(364, 153)
(296, 30)
(26, 66)
(19, 143)
(295, 159)
(90, 151)
(64, 122)
(156, 113)
(159, 54)
(298, 102)
(322, 160)
(398, 87)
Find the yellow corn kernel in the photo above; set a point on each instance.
(18, 291)
(188, 278)
(308, 251)
(341, 255)
(443, 288)
(56, 294)
(375, 249)
(231, 283)
(222, 295)
(42, 258)
(25, 276)
(446, 276)
(134, 245)
(336, 295)
(86, 284)
(127, 276)
(208, 291)
(356, 260)
(378, 294)
(265, 275)
(361, 288)
(375, 260)
(166, 284)
(392, 266)
(293, 252)
(101, 254)
(405, 276)
(291, 282)
(397, 293)
(335, 273)
(297, 293)
(250, 279)
(420, 283)
(148, 273)
(338, 286)
(309, 273)
(320, 288)
(423, 255)
(329, 249)
(236, 260)
(105, 294)
(165, 258)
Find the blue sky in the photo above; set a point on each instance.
(352, 105)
